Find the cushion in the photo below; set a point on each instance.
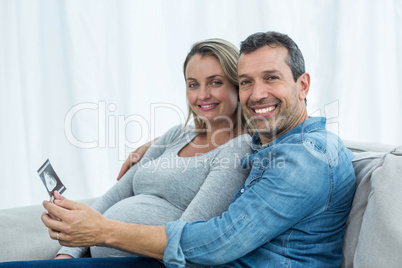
(23, 236)
(373, 237)
(364, 164)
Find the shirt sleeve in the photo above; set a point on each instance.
(271, 203)
(223, 181)
(124, 187)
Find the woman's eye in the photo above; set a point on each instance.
(216, 83)
(192, 85)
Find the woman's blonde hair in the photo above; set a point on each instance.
(227, 54)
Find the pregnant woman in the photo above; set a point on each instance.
(190, 173)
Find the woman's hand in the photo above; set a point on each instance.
(135, 157)
(64, 256)
(74, 224)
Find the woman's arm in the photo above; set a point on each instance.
(123, 188)
(135, 157)
(214, 197)
(225, 178)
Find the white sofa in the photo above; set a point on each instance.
(373, 237)
(23, 235)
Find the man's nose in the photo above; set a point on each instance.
(260, 91)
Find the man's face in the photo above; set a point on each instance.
(271, 99)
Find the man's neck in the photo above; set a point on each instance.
(266, 139)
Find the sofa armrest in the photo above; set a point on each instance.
(23, 236)
(358, 147)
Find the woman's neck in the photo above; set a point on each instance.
(214, 136)
(219, 132)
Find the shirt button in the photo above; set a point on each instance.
(242, 190)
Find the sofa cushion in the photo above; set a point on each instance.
(364, 164)
(380, 238)
(23, 236)
(373, 235)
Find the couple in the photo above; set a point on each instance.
(290, 210)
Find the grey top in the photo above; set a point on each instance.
(164, 187)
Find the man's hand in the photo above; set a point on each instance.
(78, 224)
(134, 158)
(82, 226)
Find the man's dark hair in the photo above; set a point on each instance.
(295, 58)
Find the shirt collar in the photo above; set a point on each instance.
(311, 124)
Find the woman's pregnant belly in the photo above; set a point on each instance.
(140, 209)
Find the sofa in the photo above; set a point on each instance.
(373, 236)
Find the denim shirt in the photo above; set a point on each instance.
(291, 212)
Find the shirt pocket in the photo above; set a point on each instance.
(255, 175)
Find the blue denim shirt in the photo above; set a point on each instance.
(291, 211)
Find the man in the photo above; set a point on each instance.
(291, 210)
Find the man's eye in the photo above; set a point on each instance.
(244, 82)
(272, 77)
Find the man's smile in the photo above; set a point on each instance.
(264, 111)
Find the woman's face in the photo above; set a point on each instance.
(209, 93)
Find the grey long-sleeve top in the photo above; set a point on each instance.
(164, 187)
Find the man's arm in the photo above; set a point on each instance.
(150, 240)
(269, 206)
(274, 199)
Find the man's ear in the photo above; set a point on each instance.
(304, 85)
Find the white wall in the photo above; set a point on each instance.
(128, 54)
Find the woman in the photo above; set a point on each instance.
(189, 173)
